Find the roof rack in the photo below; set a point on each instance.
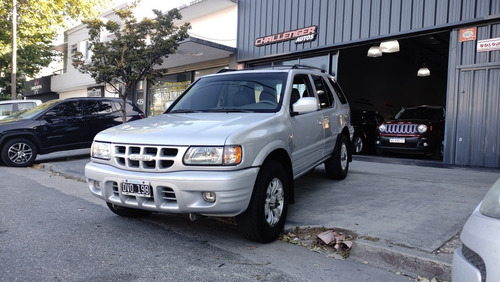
(295, 66)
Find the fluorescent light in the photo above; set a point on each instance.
(374, 51)
(390, 46)
(423, 72)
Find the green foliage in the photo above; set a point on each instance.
(38, 23)
(135, 49)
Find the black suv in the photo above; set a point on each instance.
(417, 130)
(58, 125)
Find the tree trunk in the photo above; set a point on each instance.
(124, 104)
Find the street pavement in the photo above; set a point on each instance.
(407, 214)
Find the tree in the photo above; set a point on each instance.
(38, 24)
(135, 49)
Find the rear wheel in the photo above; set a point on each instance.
(19, 152)
(127, 212)
(337, 165)
(265, 216)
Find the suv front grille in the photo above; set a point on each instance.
(144, 158)
(401, 128)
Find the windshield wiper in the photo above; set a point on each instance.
(183, 111)
(229, 110)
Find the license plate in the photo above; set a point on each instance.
(396, 140)
(136, 188)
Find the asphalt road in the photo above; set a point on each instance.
(52, 229)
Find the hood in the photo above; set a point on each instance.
(183, 129)
(10, 124)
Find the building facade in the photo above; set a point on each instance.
(207, 50)
(457, 40)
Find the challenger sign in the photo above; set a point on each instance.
(299, 35)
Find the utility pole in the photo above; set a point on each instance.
(13, 76)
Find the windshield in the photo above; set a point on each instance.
(421, 113)
(26, 114)
(238, 92)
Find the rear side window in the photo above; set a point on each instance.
(98, 107)
(324, 92)
(338, 91)
(25, 106)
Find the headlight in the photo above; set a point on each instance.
(227, 155)
(490, 206)
(381, 128)
(422, 128)
(101, 150)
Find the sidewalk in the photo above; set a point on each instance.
(402, 211)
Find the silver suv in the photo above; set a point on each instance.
(230, 145)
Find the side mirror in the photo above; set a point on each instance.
(49, 116)
(305, 105)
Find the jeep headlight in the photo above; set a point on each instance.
(227, 155)
(490, 206)
(422, 128)
(382, 128)
(101, 150)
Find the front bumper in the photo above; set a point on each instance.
(410, 145)
(176, 192)
(479, 257)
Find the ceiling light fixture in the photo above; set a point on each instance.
(374, 51)
(424, 71)
(390, 46)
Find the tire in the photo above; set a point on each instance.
(358, 144)
(265, 216)
(337, 165)
(127, 212)
(19, 152)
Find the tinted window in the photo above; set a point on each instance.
(325, 95)
(99, 107)
(338, 91)
(68, 109)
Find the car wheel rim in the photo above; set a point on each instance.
(20, 153)
(343, 156)
(358, 144)
(275, 199)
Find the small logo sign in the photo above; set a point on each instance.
(468, 34)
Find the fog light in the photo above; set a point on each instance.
(97, 184)
(209, 197)
(426, 144)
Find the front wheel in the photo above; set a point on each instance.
(359, 144)
(19, 152)
(265, 216)
(127, 212)
(337, 165)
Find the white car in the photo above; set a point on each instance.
(479, 257)
(11, 106)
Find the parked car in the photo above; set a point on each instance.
(12, 106)
(365, 126)
(58, 125)
(230, 145)
(414, 130)
(478, 259)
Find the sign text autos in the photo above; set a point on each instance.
(299, 35)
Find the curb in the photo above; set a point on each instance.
(51, 168)
(400, 259)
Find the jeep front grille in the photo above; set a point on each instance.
(401, 128)
(144, 158)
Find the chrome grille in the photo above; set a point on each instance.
(144, 158)
(401, 128)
